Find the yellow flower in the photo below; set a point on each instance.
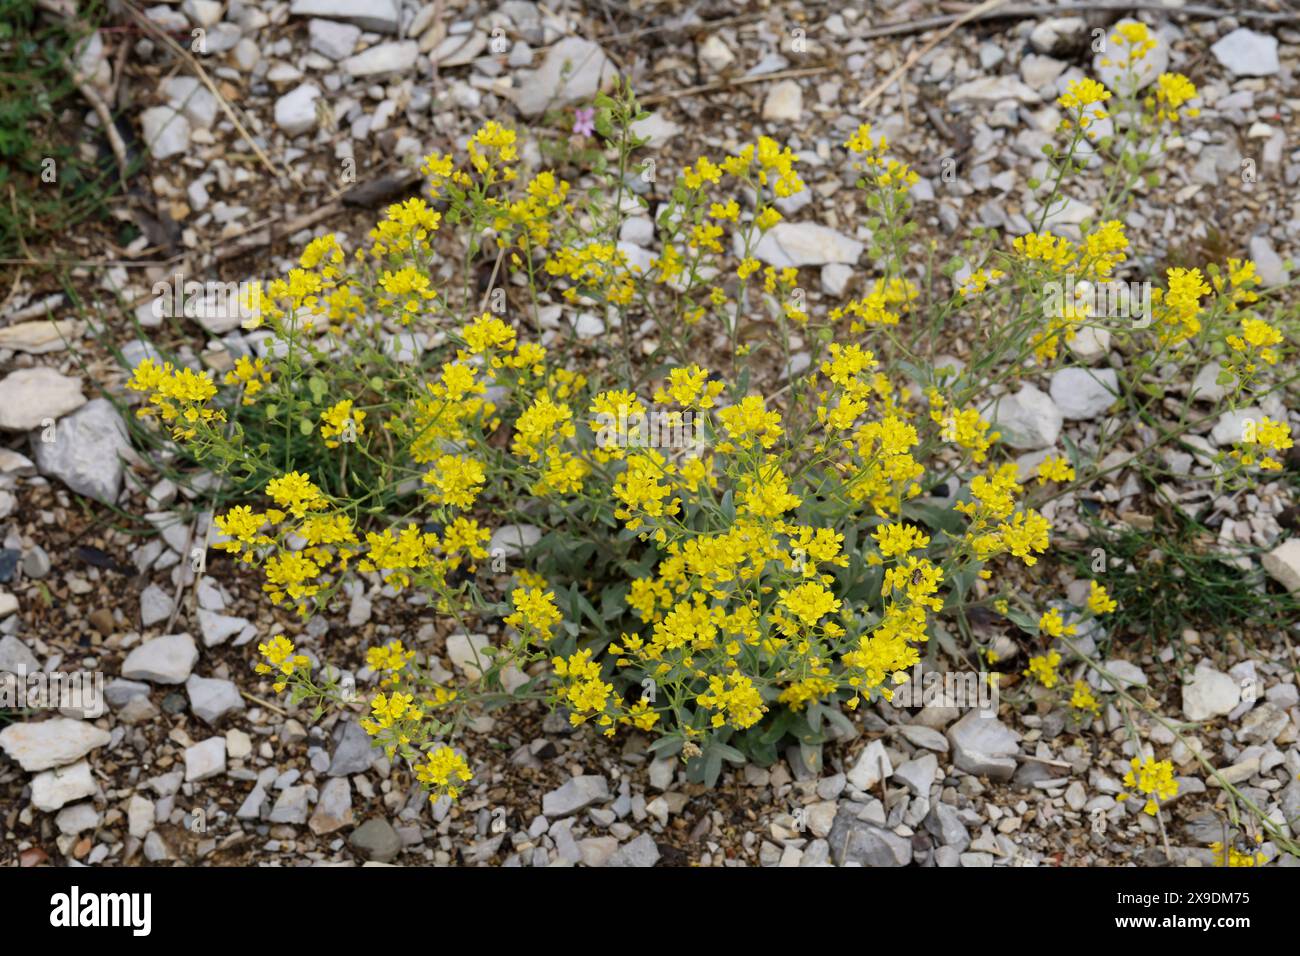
(444, 771)
(296, 493)
(1082, 699)
(689, 387)
(535, 612)
(1153, 778)
(1099, 601)
(340, 421)
(391, 657)
(1235, 856)
(1171, 92)
(896, 540)
(1053, 625)
(1055, 468)
(734, 700)
(456, 480)
(1079, 96)
(1042, 667)
(809, 602)
(252, 374)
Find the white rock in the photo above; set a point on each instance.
(1283, 564)
(16, 658)
(1127, 673)
(205, 759)
(573, 71)
(77, 818)
(155, 605)
(638, 230)
(40, 745)
(211, 698)
(988, 90)
(1062, 211)
(919, 773)
(656, 130)
(587, 326)
(1058, 35)
(1209, 693)
(40, 336)
(1039, 71)
(467, 653)
(835, 278)
(1090, 344)
(578, 793)
(1084, 393)
(459, 49)
(982, 745)
(805, 244)
(164, 660)
(331, 39)
(86, 454)
(1247, 53)
(12, 463)
(187, 95)
(379, 16)
(334, 809)
(295, 112)
(140, 816)
(871, 767)
(1267, 262)
(166, 132)
(246, 54)
(219, 628)
(715, 54)
(30, 396)
(291, 806)
(1233, 425)
(512, 540)
(238, 744)
(1028, 420)
(1206, 387)
(202, 13)
(383, 59)
(52, 789)
(784, 102)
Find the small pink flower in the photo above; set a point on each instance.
(584, 121)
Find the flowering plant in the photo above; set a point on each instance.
(721, 560)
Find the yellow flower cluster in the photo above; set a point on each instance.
(1153, 779)
(280, 659)
(179, 396)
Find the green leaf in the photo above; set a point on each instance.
(1023, 621)
(934, 516)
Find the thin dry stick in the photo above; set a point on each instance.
(729, 83)
(984, 8)
(264, 703)
(97, 103)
